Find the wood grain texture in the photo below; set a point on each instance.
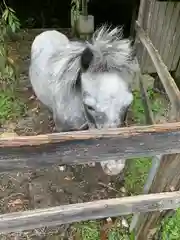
(166, 179)
(175, 51)
(19, 221)
(166, 79)
(149, 14)
(177, 74)
(143, 20)
(167, 176)
(146, 103)
(82, 147)
(171, 36)
(88, 135)
(161, 23)
(156, 161)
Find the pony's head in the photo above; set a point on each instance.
(105, 79)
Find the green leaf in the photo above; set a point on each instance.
(5, 14)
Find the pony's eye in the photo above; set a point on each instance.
(90, 108)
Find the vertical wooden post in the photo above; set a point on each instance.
(177, 74)
(144, 18)
(166, 178)
(155, 161)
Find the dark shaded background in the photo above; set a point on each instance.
(56, 13)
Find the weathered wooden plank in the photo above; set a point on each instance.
(168, 9)
(170, 35)
(161, 23)
(149, 66)
(166, 179)
(166, 30)
(178, 70)
(19, 221)
(135, 7)
(143, 8)
(93, 134)
(161, 31)
(167, 81)
(20, 153)
(144, 17)
(136, 220)
(151, 14)
(175, 64)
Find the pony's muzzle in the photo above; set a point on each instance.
(113, 167)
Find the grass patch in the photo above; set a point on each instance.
(11, 106)
(92, 230)
(171, 227)
(88, 230)
(136, 174)
(137, 106)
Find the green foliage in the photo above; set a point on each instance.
(9, 23)
(75, 9)
(10, 20)
(91, 230)
(137, 106)
(11, 106)
(136, 174)
(171, 227)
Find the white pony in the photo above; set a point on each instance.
(84, 84)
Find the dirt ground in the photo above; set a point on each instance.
(47, 187)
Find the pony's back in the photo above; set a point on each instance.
(43, 49)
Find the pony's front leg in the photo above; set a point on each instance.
(113, 167)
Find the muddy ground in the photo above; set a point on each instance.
(48, 187)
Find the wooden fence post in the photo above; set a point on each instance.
(167, 178)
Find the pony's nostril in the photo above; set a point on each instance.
(90, 108)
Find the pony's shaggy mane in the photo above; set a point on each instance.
(110, 53)
(109, 49)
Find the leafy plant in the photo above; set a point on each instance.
(9, 23)
(170, 229)
(136, 174)
(11, 107)
(75, 9)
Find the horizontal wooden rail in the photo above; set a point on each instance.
(54, 216)
(20, 153)
(164, 75)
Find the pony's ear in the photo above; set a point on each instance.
(86, 58)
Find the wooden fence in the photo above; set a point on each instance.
(162, 22)
(162, 141)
